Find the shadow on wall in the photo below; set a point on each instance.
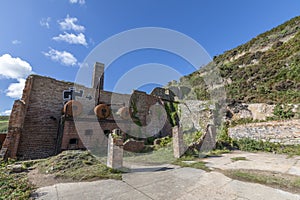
(2, 138)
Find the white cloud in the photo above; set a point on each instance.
(69, 23)
(14, 68)
(16, 42)
(45, 22)
(5, 113)
(71, 38)
(63, 57)
(81, 2)
(15, 90)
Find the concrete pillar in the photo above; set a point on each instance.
(115, 152)
(98, 76)
(178, 144)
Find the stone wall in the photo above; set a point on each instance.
(139, 104)
(255, 111)
(261, 111)
(196, 115)
(284, 132)
(165, 94)
(134, 145)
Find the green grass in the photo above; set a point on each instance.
(164, 142)
(3, 126)
(278, 180)
(244, 121)
(159, 156)
(239, 158)
(77, 165)
(212, 153)
(4, 123)
(13, 185)
(195, 163)
(217, 152)
(4, 118)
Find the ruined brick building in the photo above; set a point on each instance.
(55, 115)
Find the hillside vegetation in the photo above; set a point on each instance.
(3, 123)
(266, 69)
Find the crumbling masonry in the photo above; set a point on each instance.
(42, 124)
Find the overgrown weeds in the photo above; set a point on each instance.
(13, 185)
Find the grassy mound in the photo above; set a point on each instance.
(77, 165)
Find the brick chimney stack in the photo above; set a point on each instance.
(98, 76)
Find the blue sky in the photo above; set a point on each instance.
(53, 37)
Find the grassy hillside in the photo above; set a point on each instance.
(3, 123)
(265, 69)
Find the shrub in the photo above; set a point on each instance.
(247, 144)
(165, 141)
(223, 139)
(283, 111)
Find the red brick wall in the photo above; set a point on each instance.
(90, 135)
(44, 103)
(15, 126)
(134, 146)
(2, 138)
(70, 132)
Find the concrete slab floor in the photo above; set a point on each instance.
(172, 182)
